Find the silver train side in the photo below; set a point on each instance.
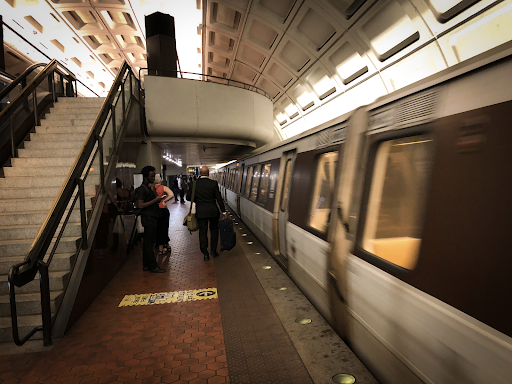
(394, 220)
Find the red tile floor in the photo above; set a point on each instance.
(169, 343)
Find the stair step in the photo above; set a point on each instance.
(75, 144)
(28, 303)
(51, 117)
(25, 325)
(43, 192)
(60, 262)
(28, 204)
(61, 152)
(33, 217)
(45, 163)
(80, 100)
(58, 279)
(21, 247)
(71, 110)
(80, 130)
(42, 171)
(47, 181)
(20, 232)
(67, 122)
(54, 137)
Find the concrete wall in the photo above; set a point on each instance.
(149, 154)
(190, 108)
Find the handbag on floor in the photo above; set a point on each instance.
(190, 220)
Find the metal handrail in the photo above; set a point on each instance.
(22, 100)
(25, 271)
(246, 86)
(21, 79)
(8, 75)
(45, 55)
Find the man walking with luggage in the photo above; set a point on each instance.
(208, 201)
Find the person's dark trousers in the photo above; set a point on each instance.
(182, 195)
(162, 232)
(203, 234)
(148, 255)
(176, 194)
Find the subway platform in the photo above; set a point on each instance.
(246, 333)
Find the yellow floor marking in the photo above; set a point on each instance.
(168, 297)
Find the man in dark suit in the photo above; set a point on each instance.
(208, 201)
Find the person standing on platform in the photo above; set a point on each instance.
(184, 186)
(208, 201)
(175, 189)
(148, 201)
(162, 229)
(180, 187)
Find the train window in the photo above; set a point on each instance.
(397, 200)
(238, 186)
(321, 202)
(265, 179)
(286, 185)
(255, 182)
(248, 182)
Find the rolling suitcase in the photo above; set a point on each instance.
(227, 235)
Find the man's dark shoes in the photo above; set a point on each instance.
(145, 269)
(206, 257)
(215, 254)
(157, 270)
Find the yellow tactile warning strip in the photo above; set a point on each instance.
(169, 297)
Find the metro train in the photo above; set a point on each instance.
(394, 220)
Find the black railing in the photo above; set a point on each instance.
(18, 84)
(100, 147)
(24, 107)
(204, 77)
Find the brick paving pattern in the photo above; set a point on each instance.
(169, 343)
(258, 347)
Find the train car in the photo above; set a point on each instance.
(394, 220)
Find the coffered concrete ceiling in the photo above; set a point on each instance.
(94, 37)
(319, 59)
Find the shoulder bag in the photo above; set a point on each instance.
(190, 220)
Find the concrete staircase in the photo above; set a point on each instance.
(28, 192)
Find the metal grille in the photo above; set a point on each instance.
(323, 138)
(417, 109)
(338, 135)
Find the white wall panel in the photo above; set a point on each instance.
(419, 65)
(189, 108)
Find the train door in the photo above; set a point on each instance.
(343, 225)
(238, 189)
(225, 183)
(282, 201)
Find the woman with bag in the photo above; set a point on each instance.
(162, 230)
